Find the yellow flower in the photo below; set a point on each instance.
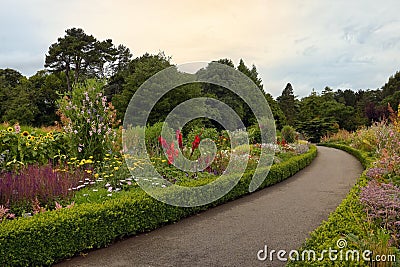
(81, 163)
(96, 175)
(10, 129)
(35, 148)
(73, 159)
(116, 168)
(88, 161)
(88, 171)
(25, 133)
(164, 160)
(31, 137)
(91, 157)
(28, 144)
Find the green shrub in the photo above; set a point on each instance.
(18, 148)
(45, 238)
(254, 134)
(151, 136)
(289, 134)
(88, 121)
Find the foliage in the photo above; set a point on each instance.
(366, 138)
(382, 202)
(79, 54)
(254, 134)
(29, 101)
(315, 129)
(152, 134)
(279, 116)
(342, 136)
(287, 103)
(51, 236)
(18, 148)
(288, 134)
(88, 121)
(43, 184)
(123, 84)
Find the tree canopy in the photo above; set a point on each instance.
(79, 56)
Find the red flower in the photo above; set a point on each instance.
(179, 138)
(162, 142)
(195, 143)
(172, 153)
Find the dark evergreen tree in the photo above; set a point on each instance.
(287, 103)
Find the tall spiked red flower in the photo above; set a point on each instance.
(195, 143)
(162, 142)
(179, 138)
(172, 153)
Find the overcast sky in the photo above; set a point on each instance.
(311, 43)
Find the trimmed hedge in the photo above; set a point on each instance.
(51, 236)
(348, 218)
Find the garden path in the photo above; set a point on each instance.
(280, 216)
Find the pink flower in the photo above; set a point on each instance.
(163, 142)
(109, 189)
(179, 138)
(17, 128)
(58, 206)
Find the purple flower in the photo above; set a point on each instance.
(374, 173)
(382, 203)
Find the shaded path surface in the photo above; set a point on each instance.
(280, 217)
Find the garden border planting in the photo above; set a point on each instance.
(349, 218)
(55, 235)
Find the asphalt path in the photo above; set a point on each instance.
(279, 217)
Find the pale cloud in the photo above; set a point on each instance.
(310, 43)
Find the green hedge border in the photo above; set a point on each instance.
(348, 218)
(52, 236)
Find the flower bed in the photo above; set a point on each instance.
(47, 237)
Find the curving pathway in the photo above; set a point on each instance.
(280, 217)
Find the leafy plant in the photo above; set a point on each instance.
(18, 148)
(44, 184)
(288, 134)
(88, 120)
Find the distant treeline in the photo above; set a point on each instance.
(78, 56)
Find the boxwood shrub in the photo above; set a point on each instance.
(51, 236)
